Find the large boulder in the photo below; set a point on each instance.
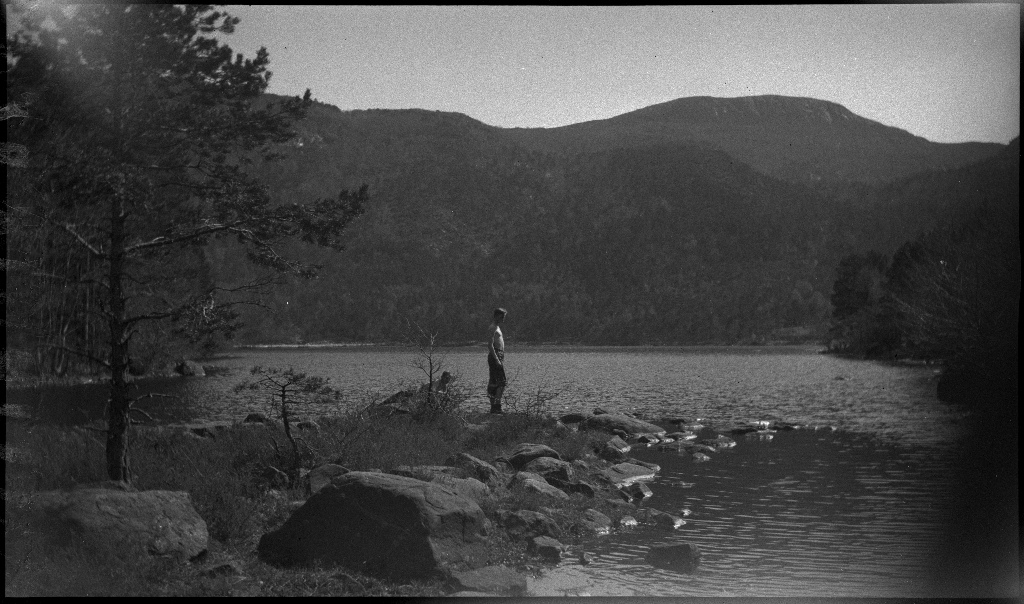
(524, 453)
(470, 488)
(610, 422)
(158, 523)
(383, 525)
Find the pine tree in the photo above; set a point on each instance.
(143, 128)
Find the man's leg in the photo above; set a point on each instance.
(496, 399)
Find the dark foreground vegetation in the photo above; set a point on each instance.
(230, 482)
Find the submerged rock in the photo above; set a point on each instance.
(700, 448)
(684, 557)
(719, 442)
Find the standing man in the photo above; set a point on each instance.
(496, 361)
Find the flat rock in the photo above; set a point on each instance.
(491, 580)
(541, 487)
(646, 464)
(524, 453)
(627, 473)
(610, 422)
(383, 525)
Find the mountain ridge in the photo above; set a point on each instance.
(668, 241)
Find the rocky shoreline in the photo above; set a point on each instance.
(445, 519)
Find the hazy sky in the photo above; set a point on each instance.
(948, 72)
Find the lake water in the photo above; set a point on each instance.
(860, 506)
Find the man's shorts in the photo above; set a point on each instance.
(496, 373)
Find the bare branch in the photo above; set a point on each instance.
(82, 240)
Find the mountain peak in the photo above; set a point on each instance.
(747, 109)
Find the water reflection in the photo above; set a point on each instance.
(806, 514)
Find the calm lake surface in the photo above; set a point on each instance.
(858, 507)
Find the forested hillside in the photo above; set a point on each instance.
(662, 242)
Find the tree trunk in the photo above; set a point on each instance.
(119, 403)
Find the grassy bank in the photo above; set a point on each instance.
(226, 477)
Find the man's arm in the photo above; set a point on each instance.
(490, 343)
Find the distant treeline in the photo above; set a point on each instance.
(952, 294)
